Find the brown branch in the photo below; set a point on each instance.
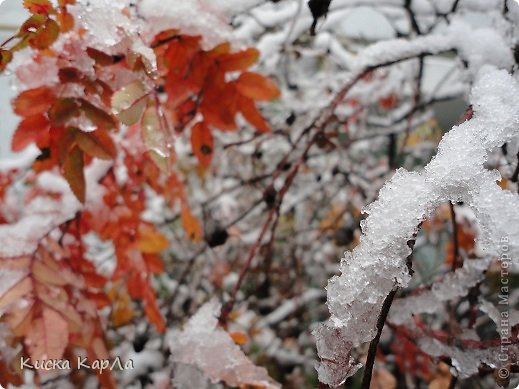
(372, 352)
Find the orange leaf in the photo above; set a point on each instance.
(42, 7)
(28, 131)
(202, 143)
(49, 336)
(190, 223)
(150, 240)
(97, 144)
(154, 315)
(239, 338)
(122, 311)
(239, 61)
(219, 106)
(40, 31)
(66, 21)
(33, 101)
(73, 172)
(99, 57)
(154, 263)
(252, 114)
(257, 86)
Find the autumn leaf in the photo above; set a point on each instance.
(96, 144)
(129, 102)
(41, 7)
(202, 143)
(62, 110)
(154, 316)
(39, 31)
(239, 61)
(251, 113)
(97, 115)
(101, 58)
(18, 290)
(48, 337)
(240, 338)
(122, 311)
(155, 139)
(150, 241)
(33, 101)
(73, 172)
(5, 57)
(190, 224)
(257, 86)
(28, 131)
(66, 21)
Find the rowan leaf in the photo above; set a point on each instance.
(122, 311)
(257, 86)
(6, 56)
(49, 336)
(129, 102)
(46, 275)
(73, 166)
(62, 110)
(251, 113)
(33, 101)
(155, 139)
(41, 7)
(240, 60)
(154, 315)
(190, 224)
(96, 144)
(28, 131)
(202, 143)
(18, 290)
(151, 241)
(40, 32)
(97, 115)
(66, 21)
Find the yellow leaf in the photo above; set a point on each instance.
(150, 240)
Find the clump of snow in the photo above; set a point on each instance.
(210, 349)
(208, 18)
(378, 264)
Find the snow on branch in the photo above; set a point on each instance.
(457, 173)
(211, 350)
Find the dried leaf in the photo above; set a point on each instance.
(155, 139)
(257, 86)
(129, 102)
(18, 290)
(5, 57)
(202, 143)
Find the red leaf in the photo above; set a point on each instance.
(96, 144)
(74, 174)
(28, 131)
(202, 143)
(257, 87)
(63, 110)
(97, 115)
(239, 61)
(252, 114)
(39, 31)
(154, 315)
(33, 101)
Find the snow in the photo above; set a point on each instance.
(378, 264)
(42, 214)
(210, 349)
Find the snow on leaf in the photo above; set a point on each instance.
(212, 350)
